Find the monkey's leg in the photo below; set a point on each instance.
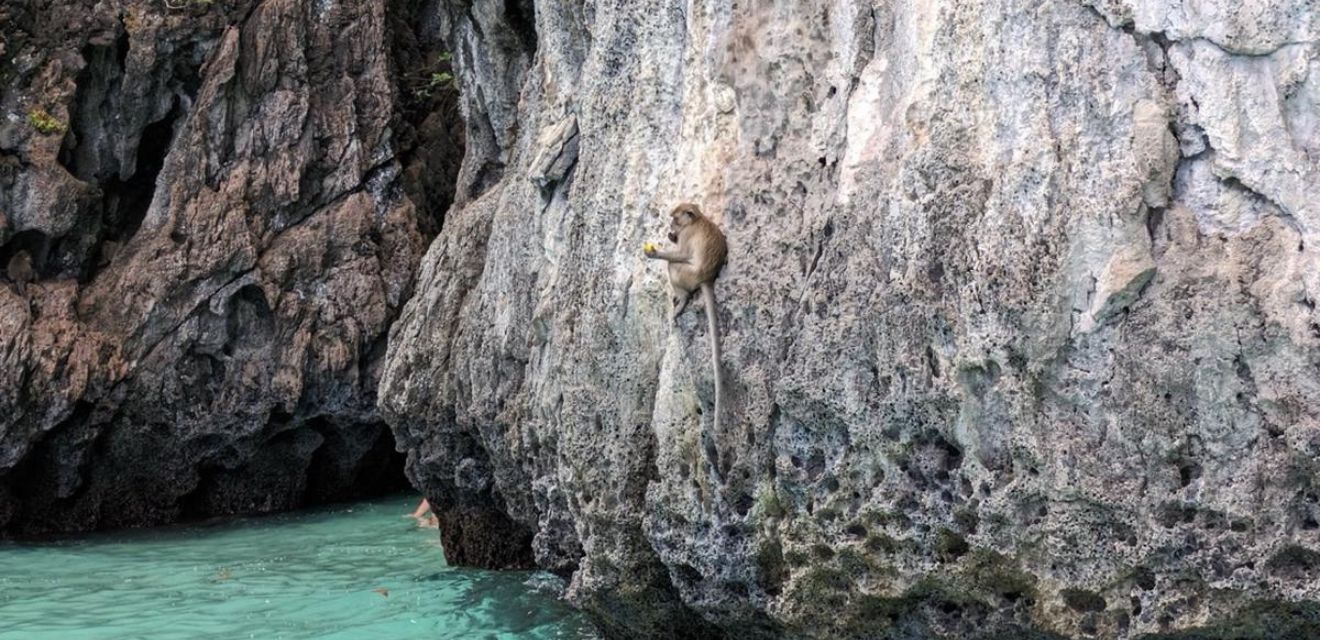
(681, 300)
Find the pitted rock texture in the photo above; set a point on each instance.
(1019, 318)
(225, 204)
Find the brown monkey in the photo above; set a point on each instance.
(693, 265)
(20, 271)
(109, 249)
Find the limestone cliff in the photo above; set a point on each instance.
(1019, 319)
(224, 205)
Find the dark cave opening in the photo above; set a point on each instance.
(317, 462)
(521, 15)
(37, 487)
(342, 469)
(125, 202)
(97, 150)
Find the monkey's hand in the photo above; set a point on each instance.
(649, 249)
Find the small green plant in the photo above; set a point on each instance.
(46, 124)
(432, 81)
(439, 80)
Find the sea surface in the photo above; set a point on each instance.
(354, 571)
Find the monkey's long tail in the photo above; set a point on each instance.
(708, 297)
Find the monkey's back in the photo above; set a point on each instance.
(19, 268)
(714, 250)
(709, 251)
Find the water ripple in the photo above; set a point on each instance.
(351, 572)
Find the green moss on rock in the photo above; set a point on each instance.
(44, 123)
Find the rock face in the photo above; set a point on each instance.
(1019, 319)
(224, 205)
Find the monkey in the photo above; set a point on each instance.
(693, 266)
(20, 271)
(109, 249)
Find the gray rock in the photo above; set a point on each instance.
(1019, 318)
(227, 203)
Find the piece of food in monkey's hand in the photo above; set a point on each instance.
(648, 247)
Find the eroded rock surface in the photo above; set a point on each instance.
(1019, 318)
(225, 204)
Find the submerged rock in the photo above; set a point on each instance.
(1019, 317)
(225, 204)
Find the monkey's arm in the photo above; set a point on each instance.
(669, 256)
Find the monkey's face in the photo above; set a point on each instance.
(679, 218)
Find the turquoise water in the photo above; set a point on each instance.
(313, 574)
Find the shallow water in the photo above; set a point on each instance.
(313, 574)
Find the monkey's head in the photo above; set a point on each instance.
(682, 216)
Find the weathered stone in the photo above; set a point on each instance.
(1019, 317)
(224, 213)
